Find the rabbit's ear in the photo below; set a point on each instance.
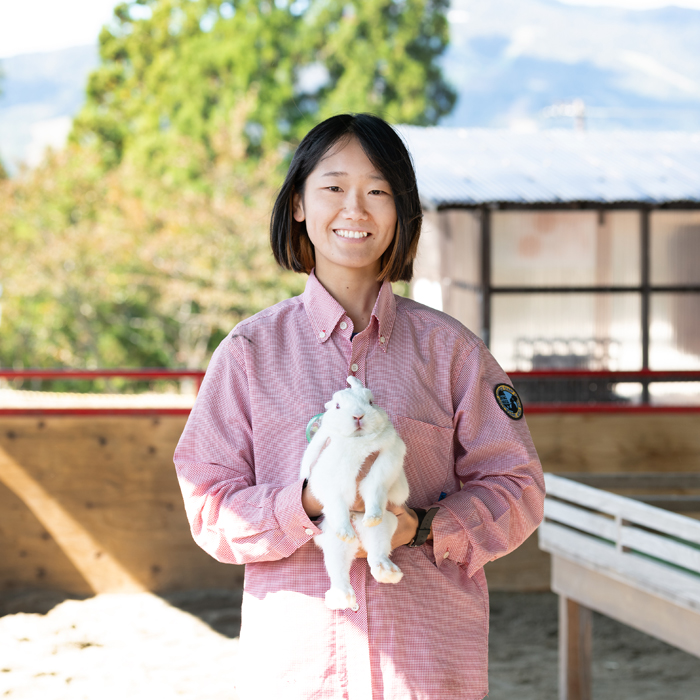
(355, 383)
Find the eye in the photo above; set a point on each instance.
(334, 188)
(337, 405)
(371, 403)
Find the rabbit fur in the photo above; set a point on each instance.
(356, 428)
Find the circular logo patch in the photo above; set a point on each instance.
(509, 401)
(313, 425)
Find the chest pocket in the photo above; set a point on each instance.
(429, 463)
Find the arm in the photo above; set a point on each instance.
(232, 517)
(501, 500)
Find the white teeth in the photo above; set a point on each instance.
(351, 234)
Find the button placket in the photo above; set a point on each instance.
(358, 360)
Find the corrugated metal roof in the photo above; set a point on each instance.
(464, 167)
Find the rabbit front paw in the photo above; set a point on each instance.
(341, 600)
(385, 571)
(372, 519)
(346, 533)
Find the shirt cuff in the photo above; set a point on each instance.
(449, 539)
(291, 516)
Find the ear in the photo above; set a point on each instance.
(298, 208)
(354, 383)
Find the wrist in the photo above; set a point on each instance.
(311, 505)
(424, 530)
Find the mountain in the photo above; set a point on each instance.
(513, 63)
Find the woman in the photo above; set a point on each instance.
(348, 214)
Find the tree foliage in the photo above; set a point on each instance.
(146, 240)
(177, 68)
(115, 269)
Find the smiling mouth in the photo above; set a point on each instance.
(345, 233)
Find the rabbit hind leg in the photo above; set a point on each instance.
(337, 557)
(377, 543)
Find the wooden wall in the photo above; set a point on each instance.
(92, 504)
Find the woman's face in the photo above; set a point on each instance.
(349, 211)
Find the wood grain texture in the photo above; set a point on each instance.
(114, 476)
(575, 650)
(649, 613)
(600, 443)
(111, 480)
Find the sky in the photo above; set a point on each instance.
(29, 26)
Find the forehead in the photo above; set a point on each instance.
(346, 158)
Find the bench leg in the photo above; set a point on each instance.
(575, 624)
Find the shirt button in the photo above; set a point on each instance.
(322, 334)
(355, 607)
(309, 531)
(354, 367)
(445, 555)
(382, 339)
(343, 325)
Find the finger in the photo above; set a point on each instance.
(367, 465)
(396, 510)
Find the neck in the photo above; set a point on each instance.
(355, 291)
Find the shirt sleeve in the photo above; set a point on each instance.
(231, 517)
(502, 496)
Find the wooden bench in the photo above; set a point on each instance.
(631, 561)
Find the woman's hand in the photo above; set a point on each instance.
(405, 531)
(311, 505)
(408, 520)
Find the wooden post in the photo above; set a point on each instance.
(575, 625)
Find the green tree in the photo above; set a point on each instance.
(178, 68)
(116, 269)
(146, 240)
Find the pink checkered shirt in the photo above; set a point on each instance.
(238, 463)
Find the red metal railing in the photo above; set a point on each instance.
(642, 376)
(88, 374)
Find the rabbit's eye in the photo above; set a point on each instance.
(371, 402)
(337, 405)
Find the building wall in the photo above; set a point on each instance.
(92, 504)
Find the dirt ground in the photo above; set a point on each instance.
(184, 647)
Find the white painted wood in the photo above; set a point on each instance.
(652, 614)
(627, 567)
(637, 480)
(580, 519)
(661, 547)
(628, 509)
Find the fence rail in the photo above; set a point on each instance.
(571, 389)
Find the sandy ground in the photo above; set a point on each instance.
(184, 647)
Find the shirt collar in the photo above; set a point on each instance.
(324, 312)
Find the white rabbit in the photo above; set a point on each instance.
(356, 428)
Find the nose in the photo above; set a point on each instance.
(355, 206)
(359, 417)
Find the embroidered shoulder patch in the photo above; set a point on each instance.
(509, 401)
(313, 425)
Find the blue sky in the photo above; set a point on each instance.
(28, 26)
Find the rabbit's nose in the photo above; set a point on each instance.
(359, 417)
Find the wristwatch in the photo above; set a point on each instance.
(425, 520)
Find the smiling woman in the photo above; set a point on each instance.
(348, 214)
(349, 208)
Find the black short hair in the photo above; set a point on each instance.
(290, 242)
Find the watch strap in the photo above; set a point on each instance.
(425, 520)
